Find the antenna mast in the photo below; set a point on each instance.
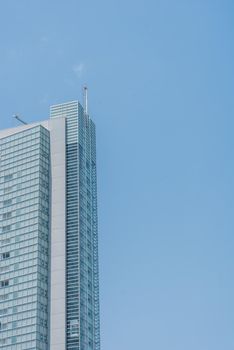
(86, 100)
(19, 119)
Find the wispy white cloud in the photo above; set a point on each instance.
(78, 69)
(44, 99)
(44, 39)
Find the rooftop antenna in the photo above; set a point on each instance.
(19, 119)
(86, 100)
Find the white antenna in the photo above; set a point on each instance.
(86, 100)
(19, 119)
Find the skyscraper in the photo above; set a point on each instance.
(49, 283)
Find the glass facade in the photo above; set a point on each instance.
(24, 204)
(82, 243)
(49, 283)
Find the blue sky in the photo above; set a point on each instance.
(160, 77)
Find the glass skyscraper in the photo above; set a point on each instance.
(49, 283)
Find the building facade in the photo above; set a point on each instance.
(49, 283)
